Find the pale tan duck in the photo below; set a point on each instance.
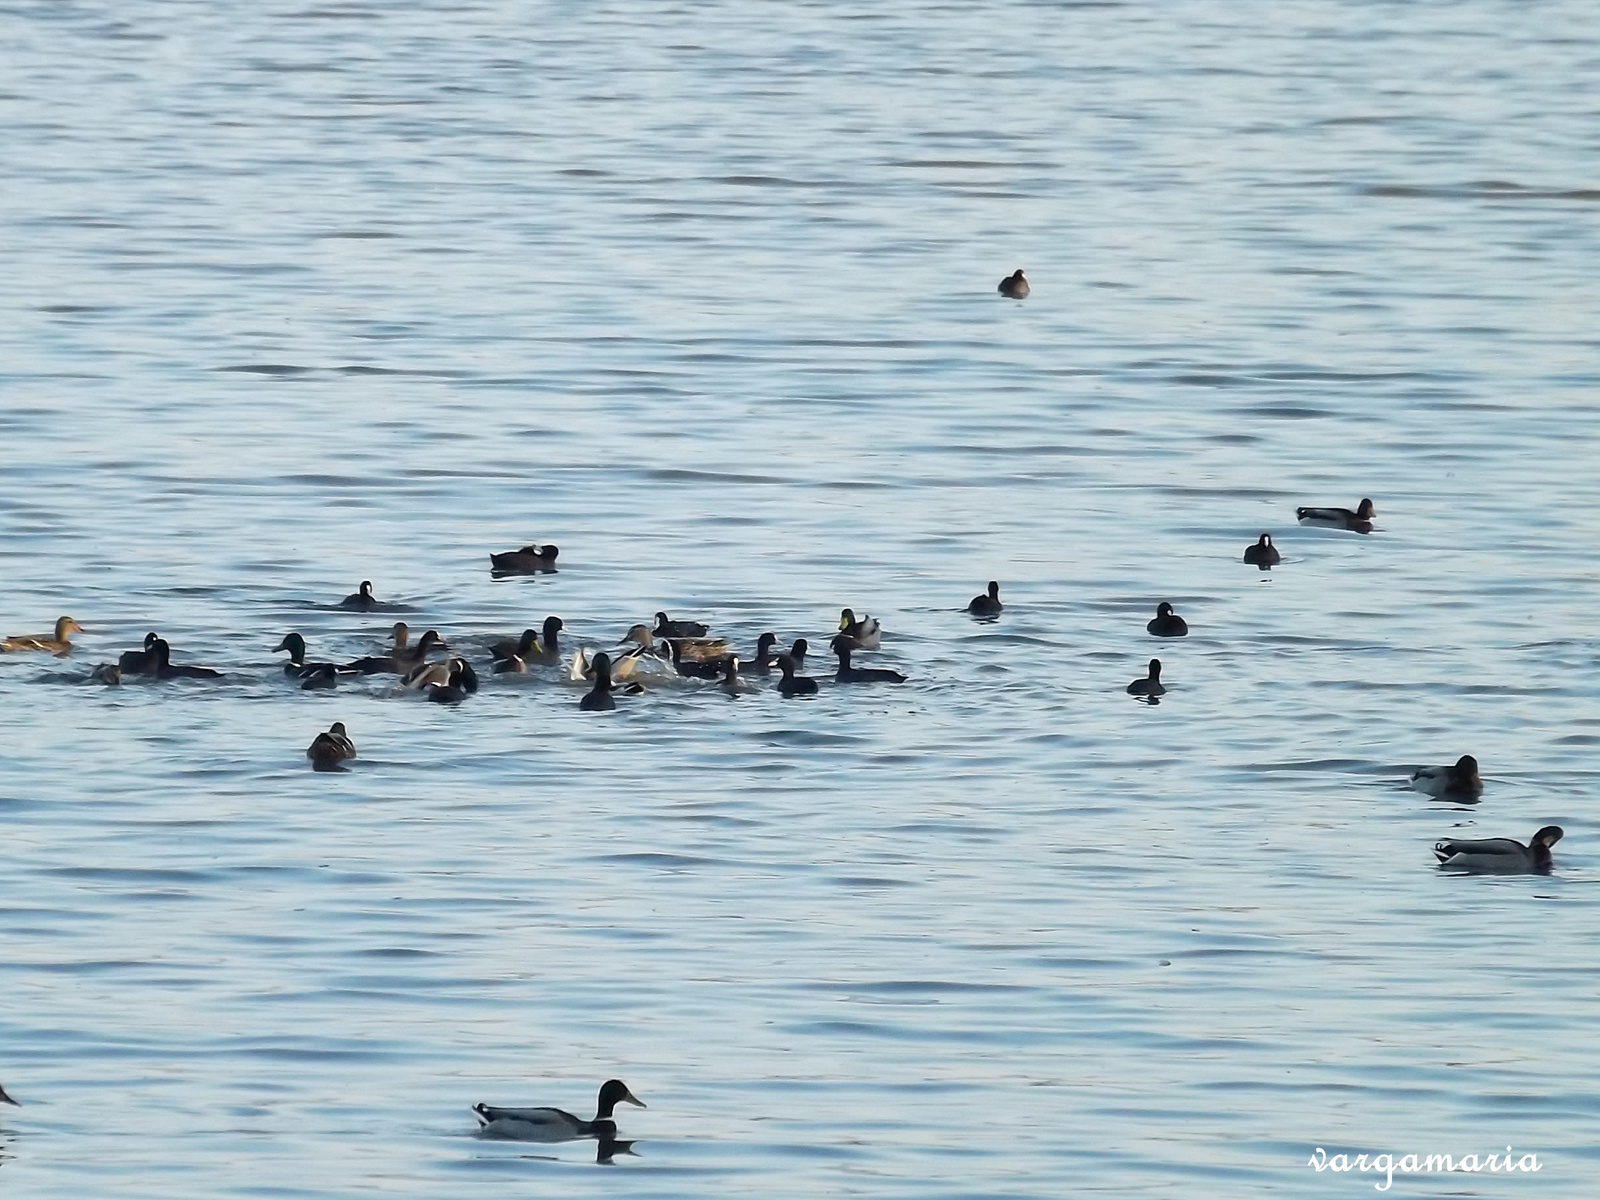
(57, 644)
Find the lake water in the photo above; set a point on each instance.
(300, 294)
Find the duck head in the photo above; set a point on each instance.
(846, 618)
(1365, 511)
(1547, 837)
(612, 1093)
(294, 644)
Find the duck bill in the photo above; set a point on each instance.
(8, 1100)
(630, 1098)
(843, 624)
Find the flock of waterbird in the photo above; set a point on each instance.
(647, 656)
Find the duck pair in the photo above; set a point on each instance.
(447, 682)
(155, 661)
(534, 646)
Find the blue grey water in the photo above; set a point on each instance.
(299, 294)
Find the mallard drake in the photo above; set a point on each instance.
(1263, 554)
(5, 1099)
(1339, 518)
(460, 682)
(1500, 856)
(165, 670)
(1167, 623)
(1460, 779)
(864, 634)
(530, 560)
(529, 647)
(1014, 286)
(138, 662)
(1150, 686)
(363, 600)
(297, 666)
(328, 750)
(762, 662)
(554, 1124)
(380, 664)
(842, 646)
(597, 699)
(792, 684)
(58, 643)
(666, 628)
(987, 605)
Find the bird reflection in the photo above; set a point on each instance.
(610, 1145)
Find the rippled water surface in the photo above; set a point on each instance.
(299, 294)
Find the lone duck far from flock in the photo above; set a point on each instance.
(1459, 780)
(555, 1124)
(1500, 856)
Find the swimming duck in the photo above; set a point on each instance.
(5, 1099)
(792, 684)
(1150, 686)
(165, 670)
(1500, 856)
(798, 652)
(598, 699)
(297, 666)
(460, 682)
(1339, 518)
(328, 750)
(529, 647)
(1014, 286)
(1263, 554)
(842, 646)
(380, 664)
(554, 1124)
(407, 657)
(432, 674)
(678, 629)
(863, 634)
(57, 643)
(362, 601)
(1459, 780)
(138, 662)
(709, 668)
(987, 605)
(731, 681)
(762, 662)
(530, 560)
(1168, 623)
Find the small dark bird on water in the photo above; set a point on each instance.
(1167, 623)
(987, 605)
(1014, 286)
(1150, 686)
(1263, 554)
(362, 601)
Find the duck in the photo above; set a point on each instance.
(554, 1124)
(1263, 554)
(1014, 286)
(165, 670)
(1458, 780)
(532, 646)
(5, 1099)
(695, 668)
(666, 628)
(988, 604)
(864, 634)
(381, 664)
(431, 674)
(460, 682)
(57, 643)
(1168, 623)
(530, 560)
(798, 652)
(107, 673)
(761, 664)
(297, 666)
(1500, 856)
(319, 677)
(138, 662)
(639, 635)
(1150, 686)
(731, 681)
(792, 684)
(407, 657)
(1339, 518)
(328, 750)
(842, 646)
(362, 601)
(598, 699)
